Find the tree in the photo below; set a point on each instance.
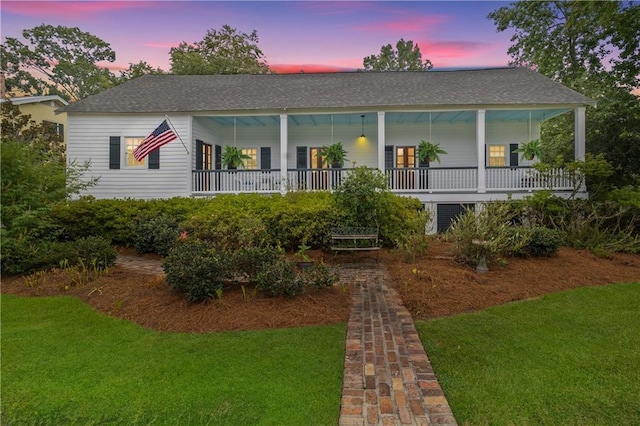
(57, 60)
(406, 57)
(594, 48)
(575, 41)
(138, 70)
(226, 51)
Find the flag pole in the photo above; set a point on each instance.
(176, 132)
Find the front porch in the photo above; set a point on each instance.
(416, 180)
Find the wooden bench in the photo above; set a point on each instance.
(354, 239)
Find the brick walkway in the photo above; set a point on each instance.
(388, 379)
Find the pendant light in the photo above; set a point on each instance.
(362, 117)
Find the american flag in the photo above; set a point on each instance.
(160, 136)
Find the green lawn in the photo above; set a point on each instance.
(570, 358)
(63, 363)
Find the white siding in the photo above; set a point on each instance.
(254, 137)
(88, 140)
(362, 153)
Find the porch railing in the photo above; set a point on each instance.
(234, 181)
(418, 180)
(528, 179)
(431, 179)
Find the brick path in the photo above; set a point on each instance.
(388, 379)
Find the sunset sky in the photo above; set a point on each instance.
(293, 35)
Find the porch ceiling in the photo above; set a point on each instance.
(391, 117)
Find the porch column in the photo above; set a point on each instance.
(579, 133)
(480, 144)
(284, 139)
(381, 141)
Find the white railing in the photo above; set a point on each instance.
(528, 179)
(235, 181)
(315, 179)
(431, 179)
(418, 180)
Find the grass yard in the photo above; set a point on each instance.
(570, 358)
(63, 363)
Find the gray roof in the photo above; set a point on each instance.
(352, 90)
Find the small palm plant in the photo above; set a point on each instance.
(334, 155)
(530, 150)
(233, 157)
(429, 151)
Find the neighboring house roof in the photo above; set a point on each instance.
(22, 100)
(362, 90)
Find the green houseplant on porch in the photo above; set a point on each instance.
(233, 157)
(429, 151)
(530, 150)
(334, 155)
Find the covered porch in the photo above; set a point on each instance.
(285, 148)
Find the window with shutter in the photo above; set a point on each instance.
(114, 152)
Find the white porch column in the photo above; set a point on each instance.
(284, 140)
(381, 140)
(480, 144)
(579, 133)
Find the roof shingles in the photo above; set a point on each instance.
(191, 93)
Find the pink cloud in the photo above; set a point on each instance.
(306, 68)
(451, 49)
(49, 9)
(412, 24)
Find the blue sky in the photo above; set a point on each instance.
(293, 35)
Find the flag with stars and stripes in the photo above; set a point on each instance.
(160, 136)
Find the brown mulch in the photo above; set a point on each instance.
(436, 285)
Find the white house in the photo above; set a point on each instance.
(479, 117)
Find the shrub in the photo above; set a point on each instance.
(279, 278)
(27, 256)
(249, 261)
(360, 196)
(196, 269)
(319, 276)
(229, 232)
(487, 233)
(544, 242)
(156, 235)
(94, 251)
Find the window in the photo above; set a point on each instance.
(405, 156)
(53, 129)
(130, 145)
(497, 156)
(250, 163)
(317, 162)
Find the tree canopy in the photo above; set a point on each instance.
(57, 60)
(594, 48)
(405, 57)
(225, 51)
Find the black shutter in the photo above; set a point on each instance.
(154, 159)
(449, 213)
(301, 157)
(114, 152)
(199, 154)
(265, 157)
(388, 157)
(513, 156)
(218, 159)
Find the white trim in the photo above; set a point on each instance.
(480, 145)
(381, 140)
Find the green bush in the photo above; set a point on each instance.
(319, 276)
(27, 256)
(279, 278)
(249, 261)
(543, 242)
(94, 251)
(229, 232)
(196, 269)
(156, 235)
(487, 233)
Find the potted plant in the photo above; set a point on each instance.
(429, 151)
(334, 155)
(530, 150)
(304, 261)
(233, 157)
